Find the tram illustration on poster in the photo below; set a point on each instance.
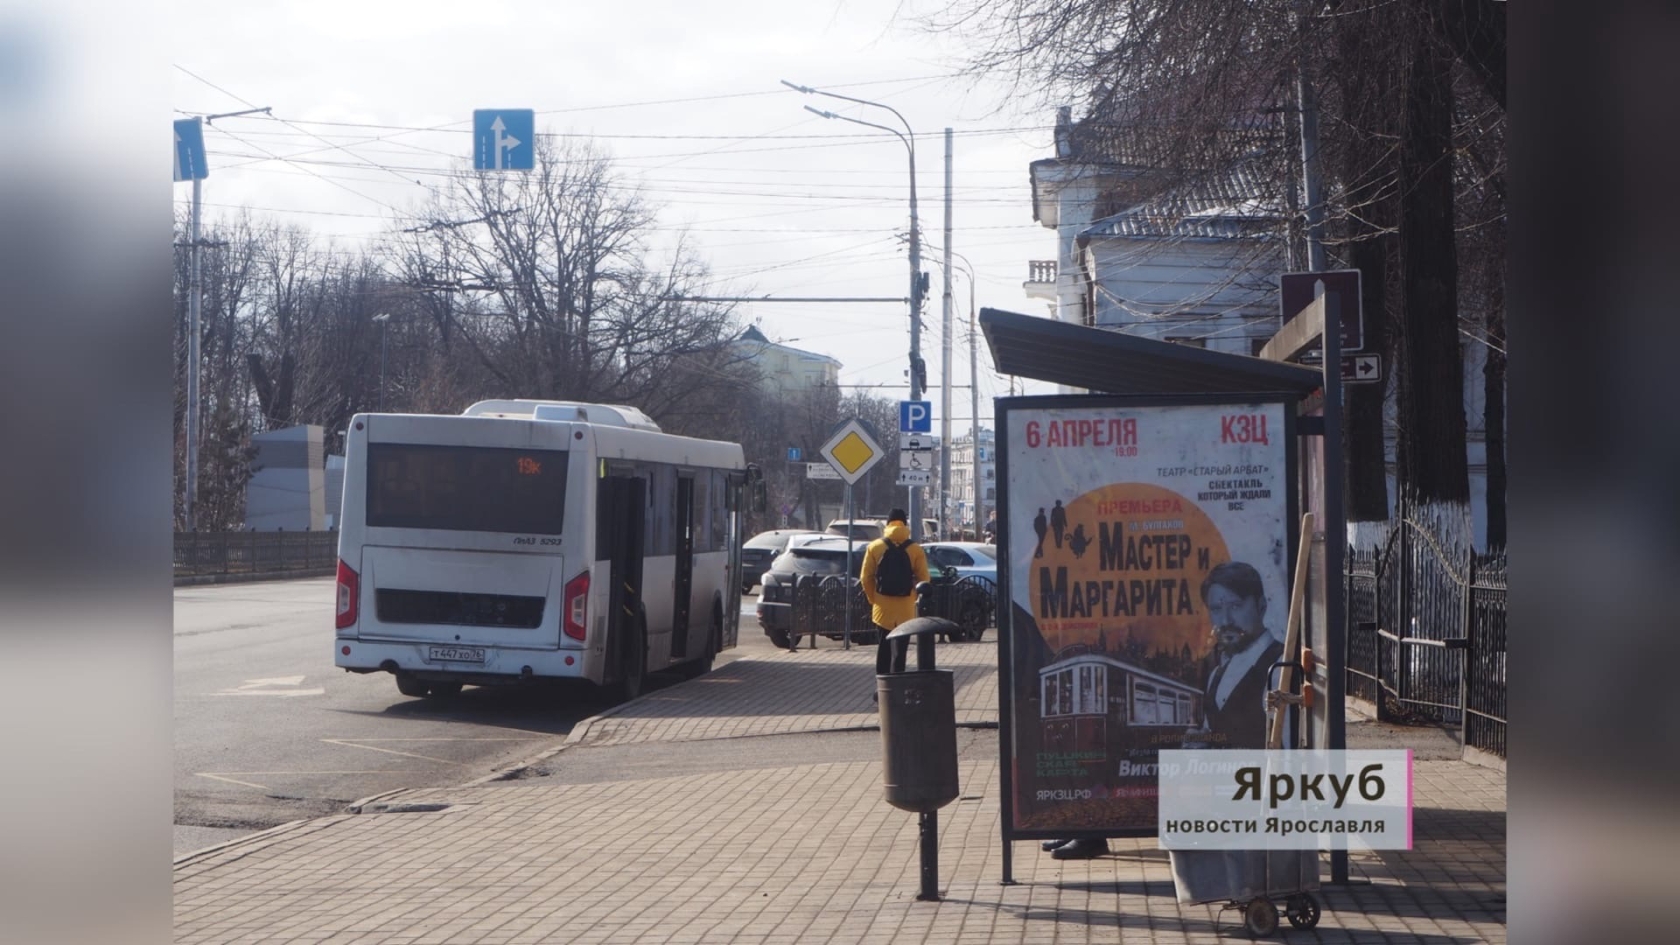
(1148, 567)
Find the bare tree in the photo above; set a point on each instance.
(548, 278)
(1181, 88)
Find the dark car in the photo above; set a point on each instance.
(813, 559)
(761, 549)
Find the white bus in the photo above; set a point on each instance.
(536, 539)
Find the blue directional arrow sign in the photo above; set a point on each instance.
(189, 150)
(504, 139)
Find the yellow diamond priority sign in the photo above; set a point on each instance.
(852, 451)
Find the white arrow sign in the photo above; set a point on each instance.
(269, 687)
(503, 142)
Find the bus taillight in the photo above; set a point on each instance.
(576, 624)
(348, 585)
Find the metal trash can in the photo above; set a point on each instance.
(918, 713)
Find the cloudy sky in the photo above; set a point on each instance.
(372, 104)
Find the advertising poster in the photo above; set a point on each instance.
(1148, 554)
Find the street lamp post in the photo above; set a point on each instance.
(908, 137)
(967, 268)
(384, 320)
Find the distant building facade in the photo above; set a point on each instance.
(1192, 258)
(963, 483)
(786, 368)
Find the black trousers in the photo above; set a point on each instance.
(886, 650)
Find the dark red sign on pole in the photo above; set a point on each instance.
(1296, 292)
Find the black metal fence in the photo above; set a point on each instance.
(819, 606)
(205, 553)
(1426, 625)
(970, 602)
(819, 609)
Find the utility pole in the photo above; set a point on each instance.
(974, 410)
(195, 293)
(194, 296)
(384, 320)
(945, 364)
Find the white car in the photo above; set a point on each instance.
(969, 558)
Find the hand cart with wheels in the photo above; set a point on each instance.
(1254, 882)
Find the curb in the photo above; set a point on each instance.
(287, 827)
(187, 859)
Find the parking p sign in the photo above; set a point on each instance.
(915, 416)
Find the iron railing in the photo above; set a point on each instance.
(970, 602)
(819, 609)
(819, 606)
(1426, 625)
(250, 553)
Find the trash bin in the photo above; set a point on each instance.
(918, 713)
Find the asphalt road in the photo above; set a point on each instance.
(268, 731)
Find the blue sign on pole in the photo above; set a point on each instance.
(504, 139)
(189, 150)
(793, 454)
(915, 416)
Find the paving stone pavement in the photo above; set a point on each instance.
(745, 857)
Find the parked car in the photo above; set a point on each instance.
(869, 529)
(861, 529)
(964, 586)
(806, 557)
(967, 557)
(761, 549)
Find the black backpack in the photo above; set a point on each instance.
(894, 576)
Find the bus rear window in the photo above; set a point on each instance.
(466, 488)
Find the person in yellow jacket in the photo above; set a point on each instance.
(892, 592)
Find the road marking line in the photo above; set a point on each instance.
(273, 681)
(217, 777)
(392, 751)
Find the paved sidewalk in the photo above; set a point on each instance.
(745, 857)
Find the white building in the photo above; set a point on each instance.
(963, 477)
(785, 368)
(1196, 263)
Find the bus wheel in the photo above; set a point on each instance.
(409, 686)
(714, 642)
(633, 658)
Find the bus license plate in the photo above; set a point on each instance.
(456, 654)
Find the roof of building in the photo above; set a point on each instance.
(1230, 204)
(753, 336)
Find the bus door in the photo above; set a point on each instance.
(734, 501)
(682, 585)
(622, 513)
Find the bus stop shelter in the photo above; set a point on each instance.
(1129, 369)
